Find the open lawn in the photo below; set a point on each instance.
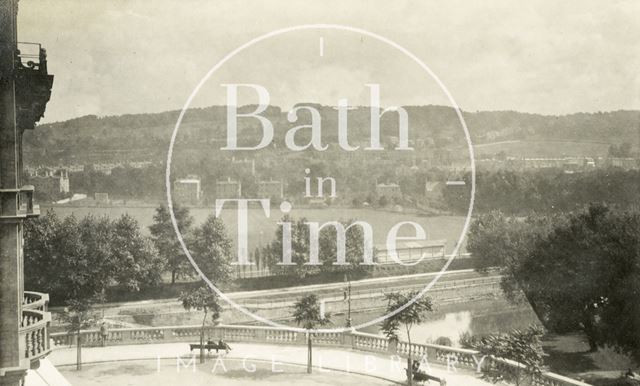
(543, 149)
(569, 355)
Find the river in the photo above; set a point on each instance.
(451, 320)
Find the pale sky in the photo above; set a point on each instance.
(134, 56)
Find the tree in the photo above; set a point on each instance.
(137, 262)
(65, 260)
(166, 241)
(205, 300)
(40, 238)
(579, 271)
(544, 191)
(622, 151)
(211, 249)
(521, 346)
(78, 315)
(257, 257)
(327, 241)
(299, 249)
(502, 242)
(586, 276)
(414, 314)
(71, 259)
(307, 313)
(354, 249)
(96, 262)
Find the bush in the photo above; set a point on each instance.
(467, 340)
(622, 381)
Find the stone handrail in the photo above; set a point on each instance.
(458, 357)
(35, 301)
(34, 334)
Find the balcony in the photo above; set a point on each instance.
(34, 327)
(26, 204)
(33, 84)
(25, 208)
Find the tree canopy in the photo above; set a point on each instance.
(78, 260)
(307, 313)
(210, 247)
(522, 346)
(580, 272)
(415, 313)
(327, 242)
(166, 241)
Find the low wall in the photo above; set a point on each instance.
(280, 308)
(462, 358)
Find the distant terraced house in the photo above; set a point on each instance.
(50, 183)
(391, 190)
(228, 188)
(187, 190)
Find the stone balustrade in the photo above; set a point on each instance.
(370, 342)
(34, 326)
(35, 301)
(31, 317)
(458, 357)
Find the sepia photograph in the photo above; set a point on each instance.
(340, 193)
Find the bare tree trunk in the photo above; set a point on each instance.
(173, 277)
(409, 361)
(309, 356)
(78, 350)
(590, 332)
(204, 320)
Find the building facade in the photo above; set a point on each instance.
(228, 188)
(389, 190)
(50, 183)
(187, 190)
(25, 88)
(411, 252)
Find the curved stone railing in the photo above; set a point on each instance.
(35, 301)
(34, 334)
(450, 356)
(34, 326)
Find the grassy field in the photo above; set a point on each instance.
(262, 229)
(569, 355)
(542, 149)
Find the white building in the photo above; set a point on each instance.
(187, 190)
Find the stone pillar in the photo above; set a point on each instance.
(12, 349)
(12, 378)
(393, 346)
(348, 340)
